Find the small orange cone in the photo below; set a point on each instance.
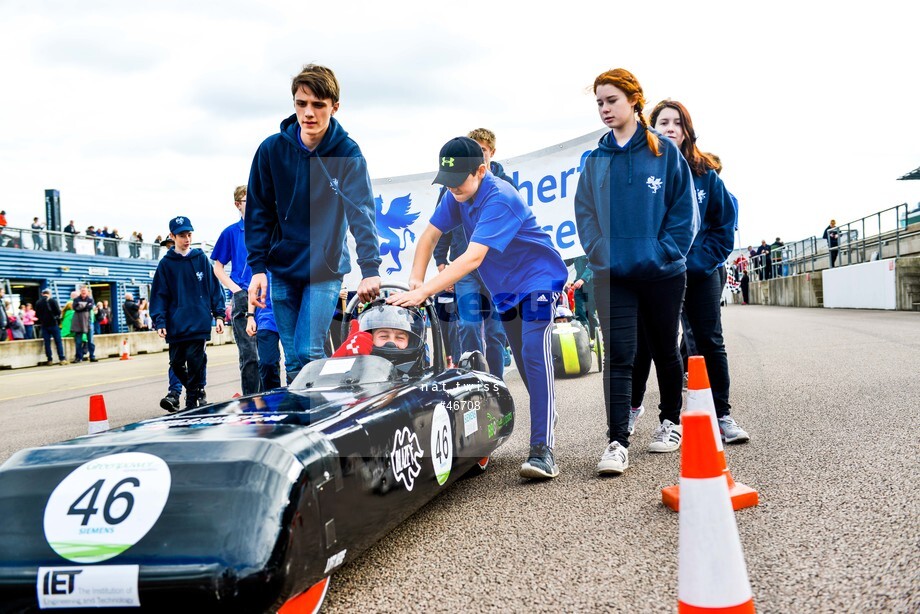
(699, 398)
(712, 575)
(124, 349)
(98, 420)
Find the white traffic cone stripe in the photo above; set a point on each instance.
(98, 426)
(711, 572)
(701, 400)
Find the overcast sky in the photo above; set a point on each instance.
(139, 111)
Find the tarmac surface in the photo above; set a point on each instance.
(829, 397)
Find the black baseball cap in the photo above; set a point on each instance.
(459, 158)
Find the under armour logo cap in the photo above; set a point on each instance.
(459, 158)
(180, 224)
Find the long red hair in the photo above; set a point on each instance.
(700, 162)
(627, 83)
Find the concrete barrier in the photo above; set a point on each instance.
(804, 290)
(908, 280)
(807, 290)
(868, 285)
(31, 352)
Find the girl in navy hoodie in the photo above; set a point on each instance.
(636, 215)
(705, 265)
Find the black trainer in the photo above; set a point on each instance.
(170, 402)
(541, 464)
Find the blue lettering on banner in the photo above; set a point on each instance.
(548, 190)
(546, 185)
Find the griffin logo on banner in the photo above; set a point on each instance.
(398, 217)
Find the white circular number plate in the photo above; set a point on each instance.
(442, 444)
(106, 506)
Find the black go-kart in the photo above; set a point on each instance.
(247, 505)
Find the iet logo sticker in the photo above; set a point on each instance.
(102, 586)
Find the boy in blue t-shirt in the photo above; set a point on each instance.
(519, 266)
(231, 249)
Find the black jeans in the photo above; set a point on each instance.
(620, 305)
(187, 359)
(246, 346)
(704, 313)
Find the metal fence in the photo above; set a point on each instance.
(881, 235)
(65, 242)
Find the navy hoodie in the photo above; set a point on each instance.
(299, 202)
(716, 238)
(636, 213)
(185, 296)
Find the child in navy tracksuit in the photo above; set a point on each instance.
(184, 298)
(519, 266)
(636, 214)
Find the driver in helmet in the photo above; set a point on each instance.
(391, 332)
(563, 314)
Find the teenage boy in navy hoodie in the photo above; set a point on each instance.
(184, 298)
(309, 183)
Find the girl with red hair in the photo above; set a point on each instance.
(636, 215)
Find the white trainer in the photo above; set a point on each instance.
(731, 432)
(615, 460)
(666, 438)
(634, 414)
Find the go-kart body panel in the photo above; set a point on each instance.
(267, 494)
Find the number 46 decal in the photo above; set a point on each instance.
(114, 496)
(106, 506)
(442, 444)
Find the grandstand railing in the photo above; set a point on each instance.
(65, 242)
(884, 234)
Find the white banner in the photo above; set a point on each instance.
(546, 179)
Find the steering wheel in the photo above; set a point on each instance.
(439, 357)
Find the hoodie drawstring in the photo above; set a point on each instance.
(629, 171)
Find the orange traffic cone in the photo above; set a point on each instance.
(124, 349)
(712, 575)
(98, 420)
(699, 398)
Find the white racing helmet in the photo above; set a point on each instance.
(381, 315)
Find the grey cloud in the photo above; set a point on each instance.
(101, 49)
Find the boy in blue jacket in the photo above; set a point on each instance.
(184, 298)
